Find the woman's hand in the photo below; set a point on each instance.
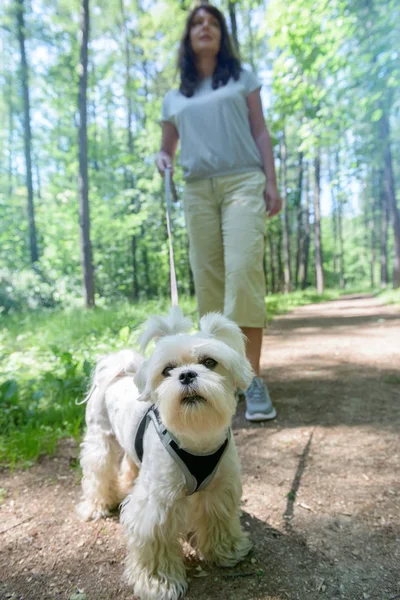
(273, 202)
(164, 161)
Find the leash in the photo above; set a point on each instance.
(174, 287)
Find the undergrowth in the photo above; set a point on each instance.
(47, 356)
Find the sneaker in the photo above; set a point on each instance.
(258, 402)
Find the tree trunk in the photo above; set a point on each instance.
(249, 17)
(303, 274)
(192, 291)
(95, 145)
(371, 234)
(391, 196)
(272, 261)
(339, 209)
(84, 216)
(27, 130)
(10, 136)
(299, 217)
(319, 274)
(135, 267)
(285, 212)
(342, 282)
(265, 269)
(234, 29)
(128, 79)
(281, 278)
(110, 120)
(38, 180)
(333, 189)
(129, 114)
(384, 231)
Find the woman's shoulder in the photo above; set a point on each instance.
(248, 75)
(172, 93)
(170, 104)
(249, 80)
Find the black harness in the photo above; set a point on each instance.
(199, 469)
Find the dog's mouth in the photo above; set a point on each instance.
(192, 399)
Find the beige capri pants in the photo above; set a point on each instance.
(225, 217)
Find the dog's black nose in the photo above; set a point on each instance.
(187, 377)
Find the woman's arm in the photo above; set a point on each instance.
(263, 141)
(169, 143)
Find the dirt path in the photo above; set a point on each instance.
(321, 483)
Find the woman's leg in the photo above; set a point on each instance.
(253, 349)
(243, 219)
(203, 222)
(243, 226)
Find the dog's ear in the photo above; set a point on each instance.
(141, 382)
(243, 374)
(157, 327)
(218, 326)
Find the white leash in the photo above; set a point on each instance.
(174, 288)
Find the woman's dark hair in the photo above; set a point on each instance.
(228, 63)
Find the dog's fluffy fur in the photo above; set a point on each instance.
(156, 512)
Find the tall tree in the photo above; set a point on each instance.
(391, 195)
(299, 219)
(303, 272)
(233, 20)
(319, 272)
(339, 209)
(20, 12)
(384, 232)
(129, 116)
(83, 186)
(285, 211)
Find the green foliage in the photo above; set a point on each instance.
(36, 411)
(390, 296)
(334, 73)
(46, 359)
(335, 76)
(279, 304)
(28, 290)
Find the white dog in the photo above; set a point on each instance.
(165, 423)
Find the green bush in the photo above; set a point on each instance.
(26, 289)
(46, 357)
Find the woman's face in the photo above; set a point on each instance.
(205, 33)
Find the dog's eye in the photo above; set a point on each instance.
(210, 363)
(167, 371)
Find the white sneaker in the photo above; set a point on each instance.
(258, 402)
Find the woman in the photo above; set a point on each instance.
(227, 158)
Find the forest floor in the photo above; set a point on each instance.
(321, 483)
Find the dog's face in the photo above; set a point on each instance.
(193, 378)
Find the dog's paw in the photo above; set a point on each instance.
(230, 552)
(148, 586)
(91, 511)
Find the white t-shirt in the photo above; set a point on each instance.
(214, 128)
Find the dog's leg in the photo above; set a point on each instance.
(127, 475)
(218, 534)
(154, 565)
(100, 459)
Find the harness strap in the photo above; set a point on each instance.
(138, 442)
(198, 469)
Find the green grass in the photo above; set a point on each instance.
(389, 296)
(46, 358)
(279, 304)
